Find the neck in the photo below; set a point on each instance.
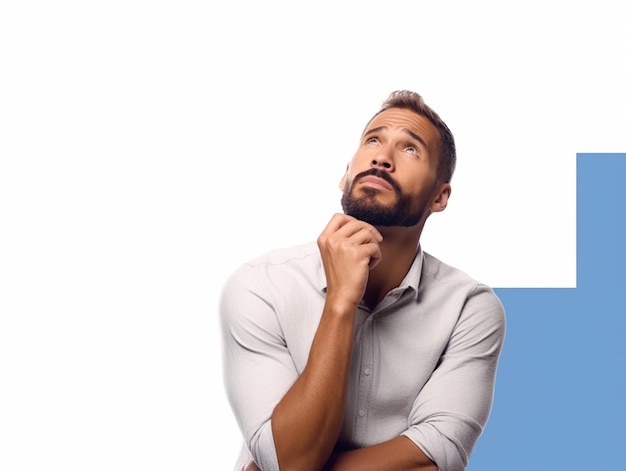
(398, 248)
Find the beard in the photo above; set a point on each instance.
(368, 209)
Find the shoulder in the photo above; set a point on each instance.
(280, 267)
(449, 281)
(273, 292)
(479, 319)
(277, 268)
(436, 270)
(295, 255)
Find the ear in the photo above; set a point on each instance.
(441, 200)
(342, 182)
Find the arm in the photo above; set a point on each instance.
(269, 400)
(399, 454)
(317, 397)
(453, 406)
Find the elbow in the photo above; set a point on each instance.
(261, 447)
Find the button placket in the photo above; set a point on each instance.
(365, 379)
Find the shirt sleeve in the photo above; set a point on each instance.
(257, 366)
(451, 410)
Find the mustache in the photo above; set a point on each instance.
(383, 174)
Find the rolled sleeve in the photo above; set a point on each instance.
(253, 351)
(451, 410)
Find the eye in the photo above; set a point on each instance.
(412, 150)
(372, 140)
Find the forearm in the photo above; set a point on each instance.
(399, 454)
(307, 421)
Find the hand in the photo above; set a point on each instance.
(251, 466)
(350, 248)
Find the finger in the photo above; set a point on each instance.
(349, 225)
(375, 255)
(354, 226)
(363, 236)
(336, 221)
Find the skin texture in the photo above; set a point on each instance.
(403, 155)
(361, 261)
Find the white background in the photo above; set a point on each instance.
(148, 148)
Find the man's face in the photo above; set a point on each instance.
(392, 178)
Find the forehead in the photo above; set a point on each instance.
(402, 118)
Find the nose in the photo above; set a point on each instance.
(383, 160)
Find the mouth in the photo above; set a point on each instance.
(375, 182)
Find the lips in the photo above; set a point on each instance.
(375, 182)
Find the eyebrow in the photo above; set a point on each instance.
(404, 130)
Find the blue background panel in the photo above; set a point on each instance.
(561, 384)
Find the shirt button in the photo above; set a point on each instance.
(367, 371)
(361, 413)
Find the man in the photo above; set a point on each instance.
(362, 352)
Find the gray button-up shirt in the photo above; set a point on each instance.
(424, 360)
